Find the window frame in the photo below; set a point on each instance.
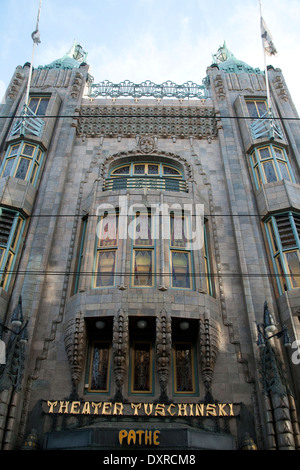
(10, 251)
(160, 174)
(133, 391)
(257, 163)
(90, 366)
(99, 250)
(194, 379)
(182, 249)
(40, 98)
(136, 247)
(35, 161)
(278, 251)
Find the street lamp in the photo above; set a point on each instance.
(267, 327)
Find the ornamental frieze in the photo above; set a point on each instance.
(164, 122)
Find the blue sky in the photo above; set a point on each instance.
(154, 40)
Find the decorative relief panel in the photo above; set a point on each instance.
(128, 121)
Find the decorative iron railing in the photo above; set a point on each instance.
(28, 123)
(167, 89)
(166, 184)
(265, 127)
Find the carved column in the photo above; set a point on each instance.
(75, 344)
(120, 351)
(163, 352)
(209, 337)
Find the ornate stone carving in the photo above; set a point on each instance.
(209, 337)
(163, 122)
(120, 351)
(146, 144)
(163, 352)
(75, 344)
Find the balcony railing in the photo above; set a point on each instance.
(166, 184)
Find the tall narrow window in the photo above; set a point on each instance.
(184, 334)
(183, 368)
(180, 255)
(99, 367)
(142, 367)
(143, 252)
(269, 164)
(207, 261)
(80, 254)
(11, 229)
(23, 161)
(99, 333)
(283, 233)
(107, 244)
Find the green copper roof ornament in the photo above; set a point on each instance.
(72, 59)
(226, 61)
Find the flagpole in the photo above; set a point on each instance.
(36, 40)
(269, 111)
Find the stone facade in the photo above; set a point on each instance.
(230, 401)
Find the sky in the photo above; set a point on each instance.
(155, 40)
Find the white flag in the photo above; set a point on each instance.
(268, 44)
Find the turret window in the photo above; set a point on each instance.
(269, 164)
(283, 232)
(11, 229)
(23, 161)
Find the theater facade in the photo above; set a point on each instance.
(149, 261)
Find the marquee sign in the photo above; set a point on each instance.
(140, 409)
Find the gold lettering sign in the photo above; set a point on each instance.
(139, 437)
(140, 409)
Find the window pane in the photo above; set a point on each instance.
(170, 171)
(100, 367)
(139, 169)
(265, 153)
(8, 166)
(22, 168)
(108, 233)
(262, 108)
(33, 104)
(28, 150)
(41, 111)
(252, 109)
(183, 368)
(105, 268)
(279, 153)
(143, 230)
(124, 170)
(270, 172)
(152, 169)
(14, 149)
(178, 231)
(143, 268)
(280, 271)
(293, 264)
(284, 171)
(141, 367)
(181, 269)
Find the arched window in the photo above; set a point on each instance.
(152, 175)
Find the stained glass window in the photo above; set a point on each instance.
(100, 364)
(143, 268)
(107, 241)
(181, 269)
(141, 366)
(184, 368)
